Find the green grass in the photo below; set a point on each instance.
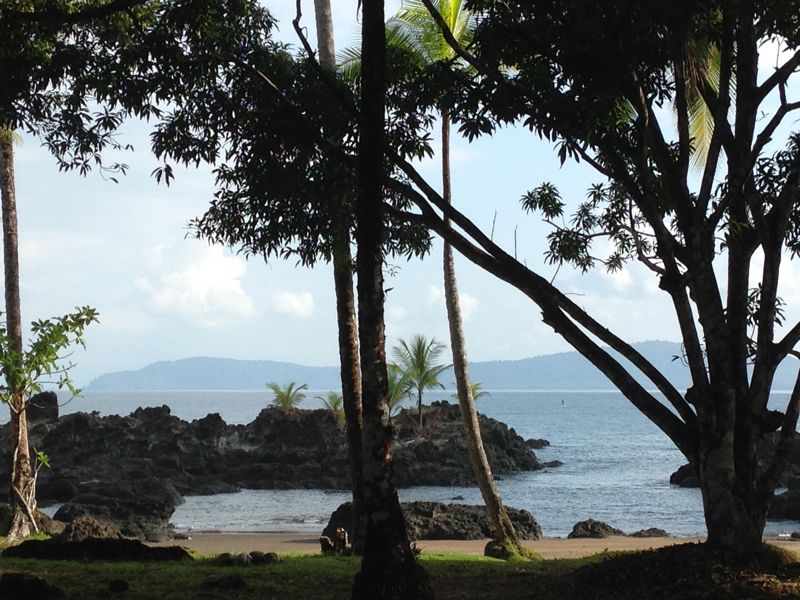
(454, 577)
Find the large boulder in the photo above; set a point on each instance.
(142, 513)
(438, 521)
(786, 505)
(593, 529)
(42, 407)
(85, 527)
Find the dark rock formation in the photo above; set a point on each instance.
(95, 549)
(437, 454)
(43, 407)
(649, 532)
(593, 529)
(142, 513)
(131, 471)
(85, 527)
(786, 505)
(687, 475)
(25, 585)
(436, 521)
(537, 443)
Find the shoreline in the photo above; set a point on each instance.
(217, 542)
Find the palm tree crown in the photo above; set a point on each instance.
(414, 28)
(288, 397)
(418, 360)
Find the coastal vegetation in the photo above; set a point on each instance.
(287, 397)
(417, 360)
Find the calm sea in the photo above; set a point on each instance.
(616, 464)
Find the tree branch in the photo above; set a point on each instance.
(538, 288)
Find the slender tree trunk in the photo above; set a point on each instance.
(419, 407)
(345, 309)
(23, 480)
(501, 525)
(389, 569)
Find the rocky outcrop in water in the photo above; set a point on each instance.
(785, 505)
(437, 521)
(131, 471)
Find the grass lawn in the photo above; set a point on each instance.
(677, 573)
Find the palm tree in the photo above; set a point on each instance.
(418, 30)
(288, 397)
(349, 367)
(399, 388)
(418, 362)
(334, 403)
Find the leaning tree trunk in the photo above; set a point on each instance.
(345, 309)
(502, 527)
(22, 493)
(389, 569)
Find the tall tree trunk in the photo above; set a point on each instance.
(502, 527)
(735, 518)
(389, 569)
(23, 480)
(345, 309)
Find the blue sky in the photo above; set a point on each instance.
(122, 248)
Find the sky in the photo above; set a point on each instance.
(123, 249)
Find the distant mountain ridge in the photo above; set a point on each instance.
(565, 371)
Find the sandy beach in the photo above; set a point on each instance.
(283, 543)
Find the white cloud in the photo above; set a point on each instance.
(621, 281)
(468, 303)
(435, 295)
(207, 290)
(294, 304)
(397, 312)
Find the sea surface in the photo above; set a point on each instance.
(616, 464)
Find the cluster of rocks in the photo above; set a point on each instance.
(132, 471)
(597, 529)
(438, 521)
(785, 505)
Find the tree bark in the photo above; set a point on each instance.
(389, 569)
(502, 527)
(345, 309)
(22, 493)
(734, 521)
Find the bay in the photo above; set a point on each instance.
(616, 464)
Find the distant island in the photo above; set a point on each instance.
(566, 370)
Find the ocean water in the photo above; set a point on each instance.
(616, 464)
